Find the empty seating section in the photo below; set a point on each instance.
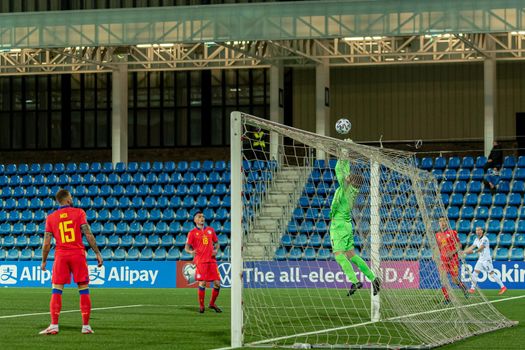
(468, 203)
(142, 211)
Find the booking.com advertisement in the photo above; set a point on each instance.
(262, 274)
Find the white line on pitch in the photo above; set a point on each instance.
(370, 322)
(69, 311)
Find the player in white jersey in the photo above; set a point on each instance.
(482, 246)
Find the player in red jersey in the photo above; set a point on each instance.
(449, 247)
(203, 244)
(67, 224)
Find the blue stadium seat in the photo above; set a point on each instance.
(107, 254)
(453, 213)
(426, 254)
(133, 253)
(427, 163)
(505, 239)
(46, 169)
(119, 254)
(411, 254)
(471, 199)
(185, 256)
(501, 254)
(35, 241)
(446, 187)
(464, 226)
(440, 163)
(519, 240)
(160, 254)
(456, 199)
(153, 240)
(450, 175)
(180, 240)
(518, 186)
(280, 254)
(496, 213)
(21, 241)
(168, 214)
(126, 241)
(140, 241)
(309, 254)
(509, 162)
(481, 161)
(173, 254)
(3, 254)
(166, 240)
(467, 162)
(113, 241)
(148, 228)
(485, 199)
(460, 187)
(509, 226)
(326, 241)
(27, 180)
(454, 162)
(101, 240)
(397, 253)
(506, 174)
(466, 213)
(493, 239)
(161, 228)
(494, 226)
(503, 187)
(519, 174)
(300, 240)
(510, 213)
(295, 254)
(13, 254)
(463, 174)
(516, 254)
(479, 223)
(26, 254)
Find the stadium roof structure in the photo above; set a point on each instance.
(342, 33)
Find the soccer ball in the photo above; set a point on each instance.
(343, 126)
(189, 272)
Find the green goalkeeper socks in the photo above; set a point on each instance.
(361, 265)
(342, 260)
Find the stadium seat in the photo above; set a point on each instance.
(13, 254)
(440, 163)
(113, 241)
(499, 200)
(153, 240)
(35, 241)
(180, 240)
(119, 254)
(485, 199)
(518, 240)
(280, 254)
(107, 254)
(427, 163)
(504, 240)
(223, 240)
(426, 254)
(518, 186)
(397, 253)
(481, 161)
(454, 163)
(450, 175)
(411, 254)
(26, 254)
(295, 253)
(493, 239)
(133, 253)
(501, 254)
(467, 162)
(446, 187)
(509, 162)
(506, 174)
(309, 254)
(160, 254)
(185, 256)
(453, 213)
(519, 174)
(496, 213)
(516, 254)
(173, 254)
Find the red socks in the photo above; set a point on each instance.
(202, 293)
(85, 308)
(445, 293)
(55, 305)
(214, 295)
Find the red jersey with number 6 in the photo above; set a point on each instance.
(202, 242)
(64, 224)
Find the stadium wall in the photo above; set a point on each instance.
(438, 101)
(267, 274)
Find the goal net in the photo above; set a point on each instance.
(293, 293)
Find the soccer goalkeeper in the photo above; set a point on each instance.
(341, 231)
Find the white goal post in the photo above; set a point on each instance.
(287, 290)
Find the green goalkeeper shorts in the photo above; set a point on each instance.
(341, 235)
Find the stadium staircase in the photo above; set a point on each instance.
(271, 221)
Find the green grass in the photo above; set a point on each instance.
(168, 319)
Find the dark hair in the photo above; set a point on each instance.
(196, 213)
(61, 195)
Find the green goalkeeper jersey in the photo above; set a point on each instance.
(343, 202)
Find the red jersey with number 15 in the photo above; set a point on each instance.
(64, 224)
(447, 243)
(202, 242)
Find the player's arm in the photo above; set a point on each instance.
(189, 249)
(86, 230)
(470, 249)
(46, 247)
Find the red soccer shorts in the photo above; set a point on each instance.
(65, 265)
(207, 272)
(451, 267)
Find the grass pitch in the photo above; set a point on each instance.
(167, 319)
